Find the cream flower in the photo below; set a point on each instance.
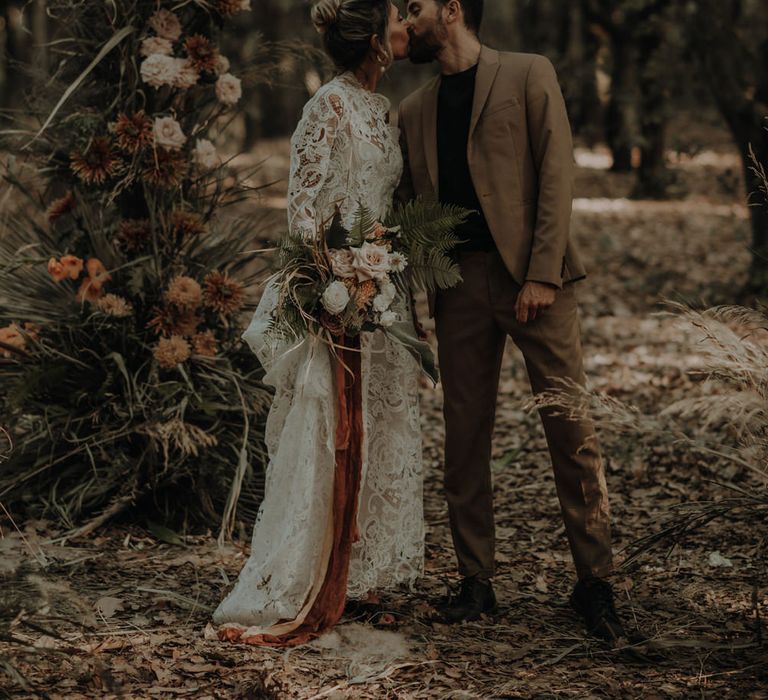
(168, 133)
(158, 70)
(388, 318)
(186, 74)
(222, 65)
(245, 5)
(385, 297)
(342, 262)
(156, 45)
(205, 155)
(114, 305)
(371, 262)
(166, 25)
(398, 262)
(228, 89)
(335, 298)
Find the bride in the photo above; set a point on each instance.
(344, 152)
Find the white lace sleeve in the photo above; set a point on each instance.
(322, 130)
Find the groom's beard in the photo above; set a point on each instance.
(425, 48)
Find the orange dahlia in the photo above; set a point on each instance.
(222, 293)
(133, 132)
(185, 292)
(187, 224)
(133, 234)
(203, 55)
(205, 344)
(97, 163)
(164, 168)
(163, 321)
(366, 291)
(232, 7)
(172, 351)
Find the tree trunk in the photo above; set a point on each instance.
(620, 114)
(653, 176)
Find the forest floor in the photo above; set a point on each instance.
(123, 613)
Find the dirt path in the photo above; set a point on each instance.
(123, 615)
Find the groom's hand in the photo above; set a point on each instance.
(533, 299)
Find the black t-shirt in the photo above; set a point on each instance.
(454, 113)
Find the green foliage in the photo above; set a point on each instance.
(427, 232)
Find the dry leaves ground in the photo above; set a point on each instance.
(123, 614)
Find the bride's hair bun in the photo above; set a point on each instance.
(347, 27)
(325, 13)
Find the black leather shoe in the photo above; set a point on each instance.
(475, 598)
(592, 598)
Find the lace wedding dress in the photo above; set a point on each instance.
(343, 153)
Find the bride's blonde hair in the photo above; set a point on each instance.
(347, 27)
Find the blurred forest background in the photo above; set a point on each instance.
(651, 79)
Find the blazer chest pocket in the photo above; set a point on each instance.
(502, 109)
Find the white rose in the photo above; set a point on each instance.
(206, 157)
(228, 89)
(371, 262)
(342, 262)
(186, 74)
(335, 298)
(158, 70)
(245, 5)
(381, 303)
(388, 318)
(166, 25)
(168, 133)
(388, 290)
(222, 65)
(156, 45)
(398, 261)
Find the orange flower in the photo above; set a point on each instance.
(11, 335)
(365, 294)
(89, 291)
(205, 344)
(72, 265)
(202, 54)
(222, 293)
(97, 164)
(172, 351)
(56, 270)
(133, 132)
(164, 168)
(97, 272)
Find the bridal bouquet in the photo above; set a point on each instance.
(344, 281)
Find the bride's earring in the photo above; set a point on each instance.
(383, 61)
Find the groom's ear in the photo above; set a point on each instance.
(452, 11)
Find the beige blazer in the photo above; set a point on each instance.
(520, 158)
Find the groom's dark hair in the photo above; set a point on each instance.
(473, 13)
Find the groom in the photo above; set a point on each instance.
(491, 134)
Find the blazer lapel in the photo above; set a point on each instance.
(429, 128)
(487, 67)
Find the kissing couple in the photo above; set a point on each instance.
(490, 134)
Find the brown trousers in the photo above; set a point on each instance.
(472, 322)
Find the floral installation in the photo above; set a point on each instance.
(123, 300)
